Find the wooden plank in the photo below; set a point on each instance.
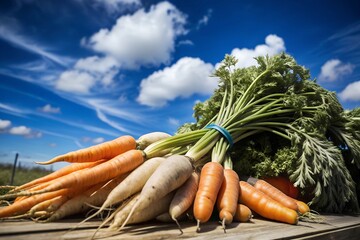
(336, 227)
(27, 226)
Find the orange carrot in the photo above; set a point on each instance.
(302, 207)
(184, 198)
(211, 178)
(23, 194)
(242, 213)
(283, 184)
(42, 200)
(33, 216)
(105, 171)
(228, 197)
(81, 202)
(51, 203)
(105, 150)
(274, 193)
(58, 173)
(287, 188)
(19, 198)
(264, 205)
(23, 206)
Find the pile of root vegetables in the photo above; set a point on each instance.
(117, 177)
(198, 172)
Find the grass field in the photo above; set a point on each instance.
(22, 175)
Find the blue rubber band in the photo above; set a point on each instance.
(223, 131)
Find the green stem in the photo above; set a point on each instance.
(220, 114)
(265, 99)
(219, 151)
(260, 128)
(228, 164)
(203, 145)
(182, 139)
(247, 94)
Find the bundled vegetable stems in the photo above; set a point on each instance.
(197, 170)
(305, 123)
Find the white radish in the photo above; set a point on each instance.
(170, 175)
(45, 205)
(131, 184)
(166, 218)
(95, 196)
(141, 214)
(149, 138)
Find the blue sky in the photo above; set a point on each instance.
(79, 72)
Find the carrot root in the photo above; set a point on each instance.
(243, 213)
(105, 150)
(211, 178)
(170, 175)
(265, 206)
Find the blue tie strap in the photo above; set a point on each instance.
(223, 131)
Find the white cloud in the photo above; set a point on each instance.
(116, 6)
(334, 69)
(108, 77)
(112, 108)
(96, 64)
(123, 98)
(10, 109)
(34, 135)
(9, 33)
(75, 81)
(144, 38)
(115, 124)
(273, 45)
(34, 66)
(88, 72)
(49, 109)
(186, 42)
(186, 77)
(98, 140)
(174, 121)
(20, 130)
(351, 92)
(52, 145)
(205, 19)
(4, 124)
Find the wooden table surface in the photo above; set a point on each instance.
(335, 227)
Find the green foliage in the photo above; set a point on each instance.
(282, 122)
(264, 155)
(280, 164)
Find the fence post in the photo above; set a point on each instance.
(13, 170)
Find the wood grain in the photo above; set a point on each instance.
(335, 227)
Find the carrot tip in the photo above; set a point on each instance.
(198, 226)
(223, 225)
(7, 187)
(178, 224)
(44, 163)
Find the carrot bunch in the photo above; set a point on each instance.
(92, 170)
(140, 182)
